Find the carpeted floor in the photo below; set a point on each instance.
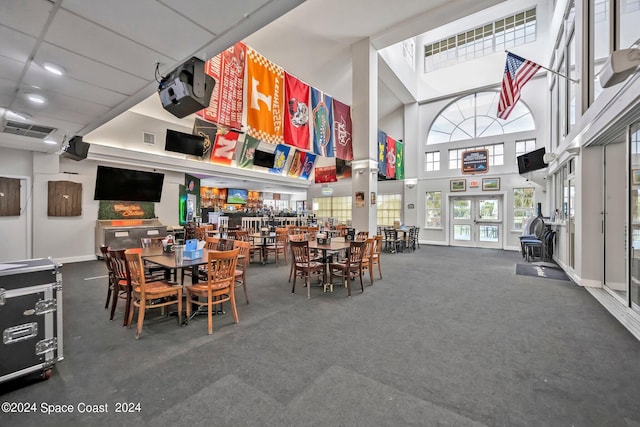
(450, 336)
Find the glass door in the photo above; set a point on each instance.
(476, 221)
(634, 215)
(614, 218)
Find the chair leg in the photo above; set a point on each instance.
(234, 310)
(210, 316)
(114, 302)
(131, 313)
(127, 307)
(295, 276)
(141, 311)
(109, 288)
(380, 268)
(179, 307)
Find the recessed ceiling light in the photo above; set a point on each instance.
(36, 98)
(53, 68)
(50, 141)
(13, 115)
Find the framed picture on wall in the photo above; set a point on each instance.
(490, 184)
(458, 185)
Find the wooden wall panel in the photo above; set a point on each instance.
(65, 198)
(9, 197)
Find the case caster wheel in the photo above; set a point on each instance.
(46, 374)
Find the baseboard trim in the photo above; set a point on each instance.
(625, 315)
(588, 283)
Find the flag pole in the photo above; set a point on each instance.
(554, 72)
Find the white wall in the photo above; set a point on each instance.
(15, 236)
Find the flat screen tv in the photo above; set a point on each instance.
(128, 185)
(237, 196)
(531, 161)
(264, 159)
(185, 143)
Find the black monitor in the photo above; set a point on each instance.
(531, 161)
(264, 159)
(128, 185)
(185, 143)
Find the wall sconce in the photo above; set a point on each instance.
(411, 183)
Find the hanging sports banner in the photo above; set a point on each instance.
(227, 69)
(307, 165)
(248, 150)
(342, 130)
(264, 98)
(296, 163)
(325, 174)
(208, 131)
(391, 157)
(382, 153)
(281, 153)
(224, 147)
(322, 110)
(399, 160)
(296, 113)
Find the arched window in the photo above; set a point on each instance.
(474, 116)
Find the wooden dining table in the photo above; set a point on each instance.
(335, 245)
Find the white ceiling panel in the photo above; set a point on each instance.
(11, 69)
(60, 107)
(15, 45)
(37, 76)
(90, 71)
(102, 45)
(217, 16)
(7, 87)
(145, 21)
(28, 16)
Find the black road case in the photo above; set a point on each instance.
(30, 317)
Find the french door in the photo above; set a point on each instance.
(476, 221)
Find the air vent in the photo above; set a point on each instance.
(26, 129)
(148, 138)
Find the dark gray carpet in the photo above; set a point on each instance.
(451, 336)
(542, 272)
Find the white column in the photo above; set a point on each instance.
(413, 159)
(364, 115)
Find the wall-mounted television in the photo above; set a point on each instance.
(237, 196)
(264, 159)
(531, 161)
(185, 143)
(128, 185)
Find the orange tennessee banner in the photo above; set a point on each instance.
(265, 93)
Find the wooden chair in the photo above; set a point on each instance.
(278, 247)
(211, 242)
(157, 272)
(121, 285)
(376, 254)
(362, 235)
(303, 265)
(350, 267)
(367, 257)
(201, 233)
(242, 265)
(104, 250)
(218, 288)
(149, 295)
(226, 244)
(295, 238)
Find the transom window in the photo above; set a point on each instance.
(492, 37)
(475, 116)
(432, 161)
(496, 155)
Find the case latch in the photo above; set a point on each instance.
(2, 295)
(46, 345)
(46, 306)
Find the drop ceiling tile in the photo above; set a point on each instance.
(61, 107)
(103, 45)
(28, 16)
(216, 16)
(10, 69)
(147, 22)
(87, 70)
(66, 85)
(15, 45)
(7, 88)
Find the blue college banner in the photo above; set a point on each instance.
(322, 114)
(281, 153)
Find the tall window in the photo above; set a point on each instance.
(514, 30)
(496, 155)
(389, 208)
(523, 206)
(475, 116)
(525, 146)
(573, 87)
(433, 209)
(432, 161)
(629, 17)
(333, 207)
(601, 39)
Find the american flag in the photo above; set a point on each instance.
(517, 72)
